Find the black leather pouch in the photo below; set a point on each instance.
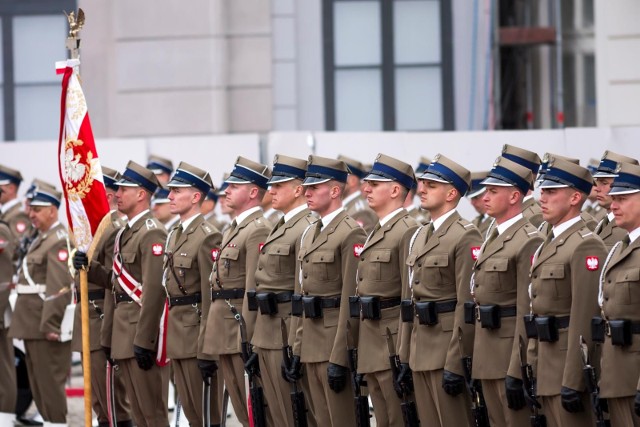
(354, 307)
(547, 328)
(312, 307)
(370, 307)
(598, 327)
(252, 302)
(469, 312)
(620, 332)
(530, 326)
(267, 302)
(406, 310)
(426, 313)
(296, 305)
(490, 316)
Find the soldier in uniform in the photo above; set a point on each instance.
(275, 280)
(10, 210)
(160, 208)
(271, 215)
(619, 300)
(98, 278)
(191, 248)
(207, 209)
(137, 340)
(530, 160)
(161, 167)
(591, 206)
(440, 262)
(379, 287)
(607, 228)
(43, 294)
(500, 286)
(482, 221)
(234, 274)
(328, 261)
(8, 391)
(353, 202)
(564, 286)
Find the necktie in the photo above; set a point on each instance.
(178, 232)
(492, 236)
(626, 242)
(316, 232)
(430, 230)
(279, 224)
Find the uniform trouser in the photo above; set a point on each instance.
(500, 415)
(99, 390)
(303, 385)
(557, 416)
(8, 389)
(331, 408)
(232, 368)
(435, 406)
(276, 390)
(621, 412)
(48, 364)
(147, 392)
(386, 404)
(189, 386)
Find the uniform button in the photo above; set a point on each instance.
(419, 264)
(260, 268)
(361, 279)
(606, 298)
(278, 251)
(321, 258)
(494, 267)
(305, 275)
(435, 263)
(609, 281)
(535, 276)
(362, 259)
(306, 260)
(263, 252)
(416, 281)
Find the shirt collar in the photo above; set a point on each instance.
(11, 203)
(634, 235)
(186, 223)
(135, 219)
(611, 216)
(244, 215)
(508, 223)
(350, 197)
(438, 222)
(328, 218)
(559, 229)
(386, 219)
(295, 211)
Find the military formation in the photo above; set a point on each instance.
(325, 292)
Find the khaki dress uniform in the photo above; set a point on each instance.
(7, 366)
(482, 223)
(39, 310)
(421, 216)
(277, 273)
(441, 267)
(609, 232)
(358, 209)
(596, 211)
(531, 210)
(233, 275)
(17, 220)
(501, 277)
(381, 271)
(97, 282)
(328, 265)
(189, 260)
(141, 248)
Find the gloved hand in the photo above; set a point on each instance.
(637, 403)
(252, 365)
(207, 369)
(145, 357)
(515, 393)
(80, 260)
(294, 372)
(403, 383)
(337, 376)
(107, 353)
(453, 384)
(571, 401)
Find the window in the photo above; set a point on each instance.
(388, 65)
(33, 38)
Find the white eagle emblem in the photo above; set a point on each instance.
(475, 252)
(593, 263)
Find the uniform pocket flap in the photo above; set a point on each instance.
(497, 264)
(380, 255)
(128, 257)
(282, 249)
(322, 257)
(553, 271)
(629, 275)
(411, 260)
(230, 253)
(441, 260)
(182, 261)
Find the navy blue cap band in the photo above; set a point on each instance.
(626, 180)
(45, 197)
(356, 170)
(449, 175)
(422, 167)
(191, 179)
(250, 175)
(317, 171)
(212, 195)
(109, 182)
(155, 165)
(290, 171)
(566, 178)
(608, 166)
(13, 179)
(533, 167)
(510, 177)
(133, 176)
(394, 174)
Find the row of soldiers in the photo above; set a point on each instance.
(539, 290)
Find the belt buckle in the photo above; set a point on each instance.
(607, 329)
(477, 309)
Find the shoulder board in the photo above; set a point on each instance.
(409, 221)
(530, 229)
(206, 227)
(118, 222)
(468, 225)
(542, 225)
(150, 223)
(311, 219)
(585, 232)
(351, 222)
(61, 234)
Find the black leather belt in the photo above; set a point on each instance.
(329, 302)
(445, 306)
(508, 311)
(122, 297)
(562, 322)
(236, 293)
(389, 302)
(635, 326)
(94, 295)
(185, 300)
(281, 296)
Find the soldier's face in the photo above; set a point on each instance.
(127, 198)
(496, 200)
(7, 192)
(479, 204)
(602, 187)
(318, 197)
(626, 209)
(237, 195)
(433, 194)
(378, 193)
(182, 200)
(284, 194)
(42, 217)
(555, 204)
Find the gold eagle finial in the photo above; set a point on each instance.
(75, 23)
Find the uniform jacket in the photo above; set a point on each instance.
(598, 213)
(564, 281)
(358, 209)
(531, 210)
(381, 271)
(620, 366)
(18, 221)
(442, 269)
(234, 269)
(328, 267)
(545, 227)
(142, 250)
(47, 264)
(7, 269)
(277, 273)
(188, 262)
(610, 233)
(482, 223)
(98, 271)
(501, 276)
(421, 216)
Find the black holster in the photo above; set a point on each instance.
(312, 307)
(598, 329)
(490, 316)
(354, 307)
(547, 328)
(530, 326)
(370, 307)
(406, 310)
(267, 302)
(469, 308)
(296, 305)
(426, 313)
(620, 331)
(252, 302)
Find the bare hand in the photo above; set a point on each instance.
(52, 336)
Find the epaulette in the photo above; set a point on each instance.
(585, 232)
(542, 225)
(409, 221)
(61, 234)
(206, 227)
(530, 229)
(150, 223)
(351, 222)
(310, 218)
(466, 225)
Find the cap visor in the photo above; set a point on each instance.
(279, 178)
(547, 183)
(376, 177)
(475, 193)
(5, 182)
(236, 180)
(180, 184)
(126, 183)
(491, 180)
(623, 190)
(312, 180)
(35, 202)
(433, 177)
(604, 175)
